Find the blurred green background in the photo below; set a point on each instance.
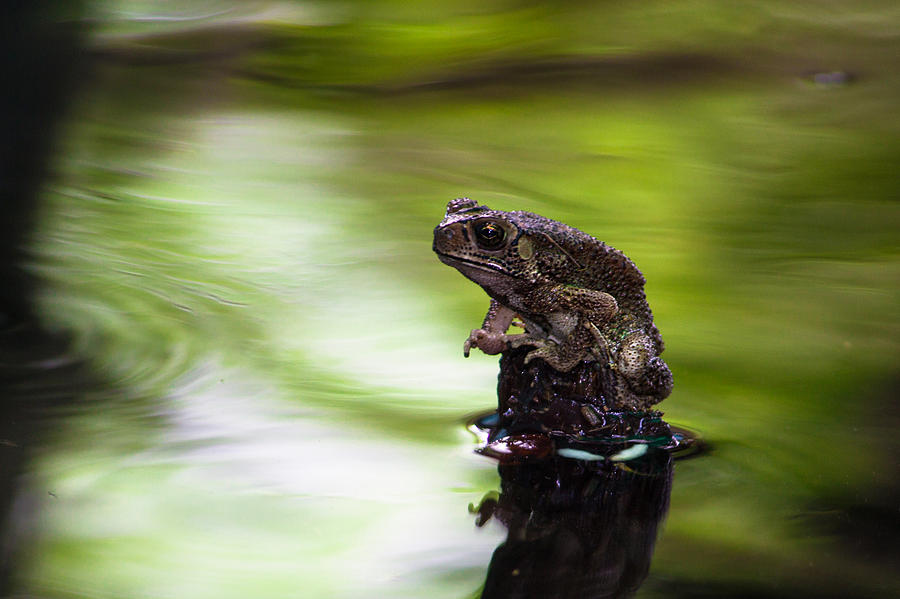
(237, 235)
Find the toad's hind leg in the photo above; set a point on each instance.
(646, 373)
(563, 356)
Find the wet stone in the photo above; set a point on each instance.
(535, 397)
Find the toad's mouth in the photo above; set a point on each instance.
(456, 262)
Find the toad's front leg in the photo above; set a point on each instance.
(491, 338)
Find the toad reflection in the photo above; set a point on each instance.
(576, 528)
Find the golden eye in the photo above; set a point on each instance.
(489, 235)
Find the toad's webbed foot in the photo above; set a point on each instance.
(494, 342)
(490, 342)
(491, 338)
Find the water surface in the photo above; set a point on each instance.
(272, 396)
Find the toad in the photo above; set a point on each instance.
(578, 299)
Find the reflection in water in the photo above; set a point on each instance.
(577, 528)
(581, 511)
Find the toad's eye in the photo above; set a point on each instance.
(490, 235)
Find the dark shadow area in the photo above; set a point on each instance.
(40, 46)
(40, 62)
(684, 589)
